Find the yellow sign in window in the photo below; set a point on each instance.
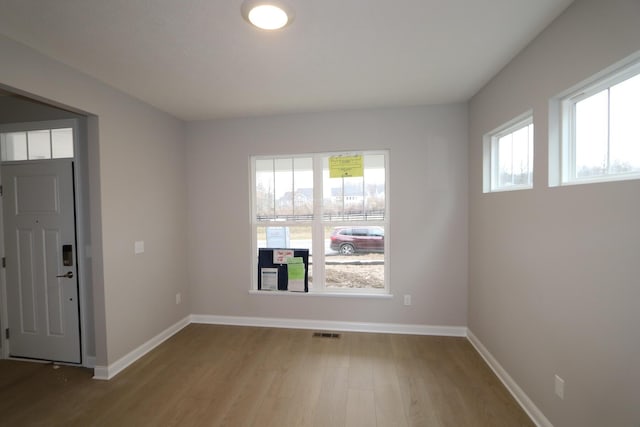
(345, 166)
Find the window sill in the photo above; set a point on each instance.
(600, 179)
(322, 294)
(508, 189)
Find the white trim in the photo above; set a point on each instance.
(101, 373)
(83, 222)
(521, 397)
(40, 361)
(562, 143)
(328, 325)
(108, 372)
(321, 294)
(90, 362)
(490, 153)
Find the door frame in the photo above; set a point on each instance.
(83, 250)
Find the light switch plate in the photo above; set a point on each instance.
(138, 247)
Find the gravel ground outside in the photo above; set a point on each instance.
(345, 272)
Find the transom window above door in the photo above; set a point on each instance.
(37, 144)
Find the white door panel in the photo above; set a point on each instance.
(42, 293)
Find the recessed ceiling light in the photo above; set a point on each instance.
(267, 15)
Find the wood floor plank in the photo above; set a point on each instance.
(243, 411)
(209, 375)
(331, 408)
(388, 407)
(417, 402)
(361, 408)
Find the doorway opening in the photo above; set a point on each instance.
(46, 295)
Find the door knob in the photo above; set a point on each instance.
(68, 275)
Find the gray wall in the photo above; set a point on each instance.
(554, 272)
(137, 191)
(428, 218)
(15, 109)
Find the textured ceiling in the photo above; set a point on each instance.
(199, 59)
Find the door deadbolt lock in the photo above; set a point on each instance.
(68, 275)
(67, 255)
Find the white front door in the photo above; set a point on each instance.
(41, 263)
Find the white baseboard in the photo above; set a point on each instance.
(328, 325)
(108, 372)
(101, 373)
(521, 397)
(90, 362)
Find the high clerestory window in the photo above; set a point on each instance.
(598, 129)
(508, 156)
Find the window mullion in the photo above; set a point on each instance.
(364, 211)
(609, 131)
(494, 163)
(574, 141)
(513, 162)
(343, 199)
(293, 187)
(317, 229)
(27, 148)
(529, 142)
(273, 184)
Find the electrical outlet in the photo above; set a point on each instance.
(178, 298)
(559, 386)
(407, 300)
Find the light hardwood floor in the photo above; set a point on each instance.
(240, 376)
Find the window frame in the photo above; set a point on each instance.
(490, 153)
(45, 125)
(318, 224)
(562, 136)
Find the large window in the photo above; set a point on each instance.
(508, 158)
(600, 132)
(339, 213)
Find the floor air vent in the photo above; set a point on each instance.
(325, 335)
